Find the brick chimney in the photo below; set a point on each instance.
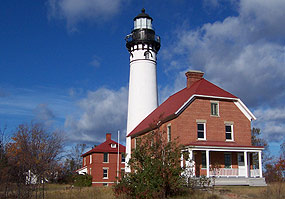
(108, 136)
(193, 76)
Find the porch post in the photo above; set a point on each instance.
(181, 160)
(208, 163)
(191, 163)
(260, 164)
(245, 164)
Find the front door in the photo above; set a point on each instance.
(241, 165)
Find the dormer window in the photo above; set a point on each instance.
(113, 145)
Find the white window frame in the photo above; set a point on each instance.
(90, 159)
(106, 169)
(218, 108)
(90, 171)
(205, 137)
(113, 146)
(107, 157)
(168, 132)
(232, 132)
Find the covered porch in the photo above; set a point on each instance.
(222, 161)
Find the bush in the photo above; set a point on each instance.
(156, 170)
(83, 180)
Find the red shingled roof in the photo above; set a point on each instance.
(220, 144)
(106, 147)
(169, 107)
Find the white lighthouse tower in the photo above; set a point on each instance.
(143, 46)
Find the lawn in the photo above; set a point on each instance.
(273, 191)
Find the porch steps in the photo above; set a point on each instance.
(240, 181)
(257, 182)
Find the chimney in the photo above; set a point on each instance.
(193, 76)
(108, 136)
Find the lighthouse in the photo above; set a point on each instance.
(143, 46)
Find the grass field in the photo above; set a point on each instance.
(273, 191)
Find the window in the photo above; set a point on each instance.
(229, 132)
(90, 169)
(84, 161)
(123, 157)
(201, 130)
(204, 160)
(215, 108)
(105, 184)
(90, 159)
(169, 132)
(113, 145)
(106, 157)
(105, 173)
(228, 160)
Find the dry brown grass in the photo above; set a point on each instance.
(272, 191)
(65, 192)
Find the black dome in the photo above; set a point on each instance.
(143, 15)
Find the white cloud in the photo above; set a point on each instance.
(103, 111)
(243, 54)
(76, 11)
(44, 114)
(95, 61)
(271, 121)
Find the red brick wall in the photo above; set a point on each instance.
(185, 125)
(97, 166)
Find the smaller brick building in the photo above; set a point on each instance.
(102, 164)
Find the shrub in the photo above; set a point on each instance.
(156, 170)
(82, 180)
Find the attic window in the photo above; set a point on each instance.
(215, 108)
(113, 145)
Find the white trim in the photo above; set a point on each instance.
(232, 132)
(106, 168)
(168, 132)
(260, 164)
(237, 102)
(246, 164)
(208, 162)
(218, 108)
(102, 182)
(219, 148)
(205, 137)
(90, 158)
(245, 110)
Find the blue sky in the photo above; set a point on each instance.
(64, 62)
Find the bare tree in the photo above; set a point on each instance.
(33, 152)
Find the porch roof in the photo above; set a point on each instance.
(219, 144)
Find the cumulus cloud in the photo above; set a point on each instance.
(243, 54)
(76, 11)
(103, 111)
(272, 122)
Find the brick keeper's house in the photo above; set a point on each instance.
(102, 164)
(214, 126)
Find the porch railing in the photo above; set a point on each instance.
(224, 172)
(254, 173)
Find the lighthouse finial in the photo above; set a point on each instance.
(143, 10)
